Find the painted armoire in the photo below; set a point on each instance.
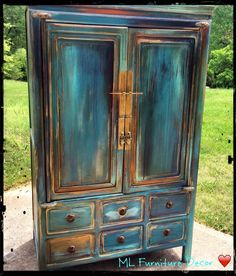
(116, 101)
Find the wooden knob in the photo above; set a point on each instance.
(166, 232)
(121, 239)
(122, 211)
(71, 249)
(70, 218)
(169, 204)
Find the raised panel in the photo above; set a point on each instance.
(85, 64)
(69, 248)
(162, 66)
(126, 239)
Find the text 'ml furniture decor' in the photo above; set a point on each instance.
(116, 103)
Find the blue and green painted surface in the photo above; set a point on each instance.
(77, 58)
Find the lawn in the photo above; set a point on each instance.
(214, 205)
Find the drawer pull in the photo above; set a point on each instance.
(121, 239)
(71, 249)
(166, 232)
(70, 218)
(122, 211)
(169, 204)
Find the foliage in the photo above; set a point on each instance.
(15, 65)
(222, 27)
(15, 16)
(220, 68)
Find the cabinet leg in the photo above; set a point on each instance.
(186, 253)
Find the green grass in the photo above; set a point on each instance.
(214, 204)
(16, 134)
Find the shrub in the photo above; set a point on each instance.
(15, 65)
(220, 68)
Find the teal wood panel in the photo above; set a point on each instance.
(133, 211)
(157, 236)
(162, 65)
(85, 111)
(133, 239)
(168, 205)
(85, 63)
(57, 219)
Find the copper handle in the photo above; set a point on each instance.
(121, 239)
(166, 232)
(71, 249)
(169, 204)
(70, 217)
(122, 211)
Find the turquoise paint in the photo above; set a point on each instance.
(110, 211)
(157, 236)
(86, 79)
(41, 50)
(133, 240)
(159, 209)
(164, 81)
(57, 218)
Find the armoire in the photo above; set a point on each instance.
(116, 97)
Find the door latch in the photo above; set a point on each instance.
(128, 138)
(125, 138)
(122, 138)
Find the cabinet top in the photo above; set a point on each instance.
(164, 11)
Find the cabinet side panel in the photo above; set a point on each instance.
(36, 121)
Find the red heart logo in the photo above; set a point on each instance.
(224, 260)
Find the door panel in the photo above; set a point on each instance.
(85, 65)
(161, 63)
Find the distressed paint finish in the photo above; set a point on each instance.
(86, 63)
(162, 61)
(86, 66)
(133, 211)
(168, 205)
(132, 240)
(58, 219)
(59, 248)
(158, 236)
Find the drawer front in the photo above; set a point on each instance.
(70, 218)
(121, 240)
(122, 211)
(163, 233)
(168, 205)
(70, 248)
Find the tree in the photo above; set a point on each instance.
(222, 27)
(15, 16)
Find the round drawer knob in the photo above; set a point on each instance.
(70, 218)
(71, 249)
(166, 232)
(123, 210)
(169, 204)
(121, 239)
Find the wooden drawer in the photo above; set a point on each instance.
(168, 205)
(121, 240)
(163, 233)
(69, 218)
(70, 248)
(122, 211)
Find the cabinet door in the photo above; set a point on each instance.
(84, 64)
(161, 66)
